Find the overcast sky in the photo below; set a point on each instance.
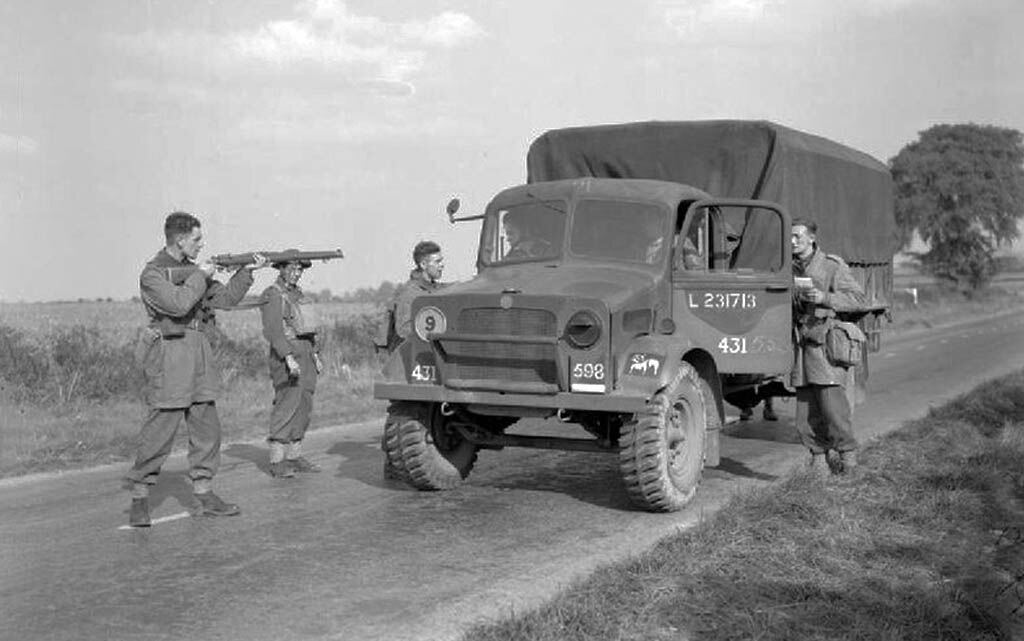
(322, 124)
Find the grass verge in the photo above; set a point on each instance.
(84, 433)
(926, 541)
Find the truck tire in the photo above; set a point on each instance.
(661, 450)
(426, 453)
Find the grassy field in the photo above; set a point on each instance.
(69, 389)
(926, 541)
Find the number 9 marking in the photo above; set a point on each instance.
(430, 320)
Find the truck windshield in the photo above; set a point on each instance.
(616, 230)
(525, 232)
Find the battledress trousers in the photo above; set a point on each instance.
(181, 376)
(824, 416)
(287, 331)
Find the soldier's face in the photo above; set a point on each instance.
(192, 243)
(433, 266)
(802, 241)
(291, 273)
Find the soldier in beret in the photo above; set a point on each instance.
(180, 372)
(294, 363)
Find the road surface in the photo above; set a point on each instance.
(346, 555)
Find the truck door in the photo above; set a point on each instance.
(732, 280)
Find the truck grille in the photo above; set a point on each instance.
(496, 361)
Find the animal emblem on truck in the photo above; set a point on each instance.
(644, 365)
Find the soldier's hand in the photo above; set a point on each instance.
(207, 267)
(293, 366)
(814, 295)
(259, 261)
(319, 363)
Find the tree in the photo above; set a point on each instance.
(961, 187)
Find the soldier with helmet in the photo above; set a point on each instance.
(294, 363)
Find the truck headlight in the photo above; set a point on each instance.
(583, 329)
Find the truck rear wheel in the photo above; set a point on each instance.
(424, 449)
(661, 451)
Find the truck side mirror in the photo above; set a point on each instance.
(452, 208)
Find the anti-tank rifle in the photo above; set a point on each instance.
(178, 275)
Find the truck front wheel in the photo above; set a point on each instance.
(661, 451)
(427, 452)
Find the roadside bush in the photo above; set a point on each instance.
(350, 341)
(24, 363)
(246, 357)
(66, 364)
(89, 366)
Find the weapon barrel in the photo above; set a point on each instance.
(247, 258)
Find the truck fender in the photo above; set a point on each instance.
(652, 361)
(397, 364)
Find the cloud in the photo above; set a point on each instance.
(334, 129)
(448, 30)
(15, 144)
(760, 22)
(324, 35)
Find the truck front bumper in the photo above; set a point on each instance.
(611, 402)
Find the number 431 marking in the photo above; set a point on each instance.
(424, 373)
(733, 345)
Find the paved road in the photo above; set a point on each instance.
(344, 555)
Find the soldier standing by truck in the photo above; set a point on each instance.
(180, 371)
(294, 363)
(824, 417)
(425, 277)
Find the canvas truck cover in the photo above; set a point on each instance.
(847, 192)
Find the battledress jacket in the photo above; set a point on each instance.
(417, 285)
(288, 332)
(178, 362)
(831, 275)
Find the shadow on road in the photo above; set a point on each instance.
(362, 461)
(258, 456)
(592, 478)
(738, 468)
(779, 432)
(174, 485)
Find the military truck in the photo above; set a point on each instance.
(639, 277)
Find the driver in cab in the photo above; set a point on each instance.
(523, 241)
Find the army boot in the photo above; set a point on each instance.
(769, 413)
(848, 461)
(819, 466)
(746, 413)
(211, 505)
(138, 514)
